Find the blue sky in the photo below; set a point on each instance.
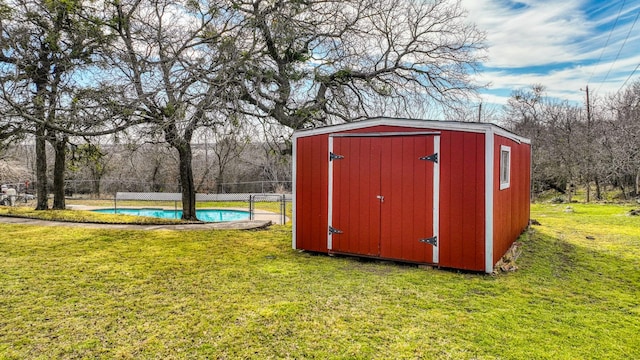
(561, 44)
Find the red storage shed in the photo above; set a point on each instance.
(449, 194)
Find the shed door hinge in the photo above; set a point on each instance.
(333, 230)
(432, 157)
(333, 156)
(431, 241)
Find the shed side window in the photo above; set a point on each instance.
(505, 167)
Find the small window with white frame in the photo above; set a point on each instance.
(505, 167)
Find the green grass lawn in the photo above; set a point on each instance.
(86, 293)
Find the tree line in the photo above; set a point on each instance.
(222, 163)
(594, 146)
(72, 71)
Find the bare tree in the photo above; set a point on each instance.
(90, 159)
(569, 148)
(622, 139)
(146, 166)
(523, 115)
(322, 61)
(231, 140)
(224, 145)
(273, 155)
(48, 51)
(12, 171)
(564, 145)
(172, 58)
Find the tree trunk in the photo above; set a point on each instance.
(203, 184)
(96, 175)
(638, 183)
(598, 190)
(96, 188)
(41, 169)
(588, 197)
(58, 174)
(219, 184)
(624, 191)
(187, 184)
(155, 183)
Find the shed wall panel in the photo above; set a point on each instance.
(469, 191)
(480, 202)
(511, 205)
(462, 200)
(312, 193)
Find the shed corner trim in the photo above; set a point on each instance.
(294, 171)
(488, 203)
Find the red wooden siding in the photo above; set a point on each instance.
(386, 166)
(408, 208)
(462, 200)
(356, 210)
(312, 179)
(510, 206)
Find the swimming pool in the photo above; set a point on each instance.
(206, 215)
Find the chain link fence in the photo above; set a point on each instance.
(262, 199)
(96, 188)
(103, 188)
(273, 207)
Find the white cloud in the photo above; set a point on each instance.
(494, 99)
(560, 45)
(564, 83)
(538, 33)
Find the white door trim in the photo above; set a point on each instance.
(436, 198)
(330, 191)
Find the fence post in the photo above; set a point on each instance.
(115, 203)
(250, 207)
(283, 209)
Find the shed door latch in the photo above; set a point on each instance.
(333, 230)
(333, 156)
(431, 241)
(432, 157)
